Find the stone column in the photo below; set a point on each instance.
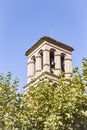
(57, 64)
(68, 66)
(46, 60)
(30, 71)
(38, 65)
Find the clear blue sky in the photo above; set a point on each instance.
(23, 22)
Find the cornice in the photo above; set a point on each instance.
(51, 41)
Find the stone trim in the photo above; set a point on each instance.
(38, 71)
(37, 50)
(53, 46)
(31, 62)
(51, 74)
(46, 64)
(30, 76)
(43, 73)
(57, 68)
(57, 55)
(27, 85)
(46, 50)
(51, 50)
(68, 59)
(37, 56)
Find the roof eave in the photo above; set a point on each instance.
(51, 40)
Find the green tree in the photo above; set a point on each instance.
(47, 105)
(10, 103)
(59, 106)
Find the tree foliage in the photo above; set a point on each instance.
(47, 105)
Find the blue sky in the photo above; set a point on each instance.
(23, 22)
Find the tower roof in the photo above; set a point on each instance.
(51, 41)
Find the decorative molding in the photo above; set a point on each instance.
(58, 48)
(57, 55)
(57, 68)
(51, 41)
(68, 59)
(43, 73)
(48, 73)
(35, 50)
(38, 56)
(31, 62)
(46, 64)
(46, 50)
(38, 70)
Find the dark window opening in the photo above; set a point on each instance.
(52, 63)
(34, 65)
(62, 63)
(41, 60)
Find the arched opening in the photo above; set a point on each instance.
(62, 62)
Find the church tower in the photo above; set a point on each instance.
(48, 58)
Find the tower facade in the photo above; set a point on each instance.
(48, 58)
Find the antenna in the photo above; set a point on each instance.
(51, 30)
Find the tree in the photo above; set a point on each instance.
(47, 105)
(10, 102)
(59, 106)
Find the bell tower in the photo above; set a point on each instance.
(48, 58)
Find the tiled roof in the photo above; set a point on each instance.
(51, 41)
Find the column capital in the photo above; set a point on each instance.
(38, 56)
(57, 55)
(68, 59)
